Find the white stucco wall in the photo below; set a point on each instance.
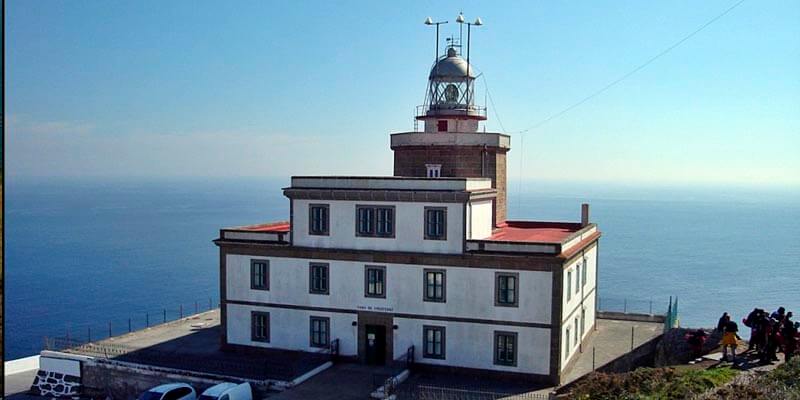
(480, 219)
(469, 291)
(409, 227)
(289, 329)
(472, 345)
(583, 299)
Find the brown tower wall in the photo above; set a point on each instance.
(459, 162)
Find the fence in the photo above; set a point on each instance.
(633, 306)
(84, 333)
(427, 392)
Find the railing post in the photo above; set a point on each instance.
(196, 309)
(593, 349)
(109, 328)
(89, 334)
(632, 337)
(165, 315)
(129, 326)
(651, 306)
(181, 311)
(625, 305)
(147, 320)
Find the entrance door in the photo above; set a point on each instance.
(376, 344)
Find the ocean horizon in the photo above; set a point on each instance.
(81, 253)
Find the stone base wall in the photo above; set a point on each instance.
(56, 384)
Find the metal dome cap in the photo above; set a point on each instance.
(451, 67)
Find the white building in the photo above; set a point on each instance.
(425, 258)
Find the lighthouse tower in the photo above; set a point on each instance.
(451, 144)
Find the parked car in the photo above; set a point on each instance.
(228, 391)
(170, 391)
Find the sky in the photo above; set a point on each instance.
(179, 89)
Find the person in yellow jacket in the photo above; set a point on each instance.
(730, 339)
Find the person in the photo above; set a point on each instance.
(696, 341)
(770, 332)
(722, 321)
(729, 337)
(779, 314)
(789, 333)
(752, 322)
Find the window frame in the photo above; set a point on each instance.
(497, 360)
(374, 220)
(253, 285)
(443, 345)
(253, 315)
(569, 285)
(566, 354)
(497, 301)
(434, 299)
(585, 272)
(327, 321)
(327, 219)
(381, 268)
(311, 267)
(427, 236)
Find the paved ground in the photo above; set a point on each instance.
(18, 383)
(342, 381)
(193, 344)
(611, 340)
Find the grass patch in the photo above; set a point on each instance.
(652, 384)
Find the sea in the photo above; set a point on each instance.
(89, 257)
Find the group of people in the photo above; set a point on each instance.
(769, 333)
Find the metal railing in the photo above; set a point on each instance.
(85, 333)
(430, 392)
(627, 305)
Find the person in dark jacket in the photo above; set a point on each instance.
(722, 321)
(696, 341)
(752, 322)
(789, 333)
(779, 314)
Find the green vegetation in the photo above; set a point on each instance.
(652, 384)
(780, 383)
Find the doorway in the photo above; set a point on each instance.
(375, 344)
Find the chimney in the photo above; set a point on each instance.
(584, 214)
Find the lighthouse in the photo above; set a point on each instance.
(451, 143)
(422, 265)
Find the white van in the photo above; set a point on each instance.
(228, 391)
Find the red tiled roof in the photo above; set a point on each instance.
(272, 227)
(534, 231)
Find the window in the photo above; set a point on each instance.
(505, 348)
(320, 332)
(578, 280)
(375, 221)
(441, 125)
(435, 223)
(259, 274)
(583, 321)
(506, 289)
(318, 219)
(433, 339)
(375, 281)
(566, 342)
(576, 331)
(434, 170)
(434, 285)
(569, 285)
(318, 278)
(259, 324)
(177, 393)
(585, 267)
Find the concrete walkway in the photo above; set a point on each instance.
(611, 340)
(342, 381)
